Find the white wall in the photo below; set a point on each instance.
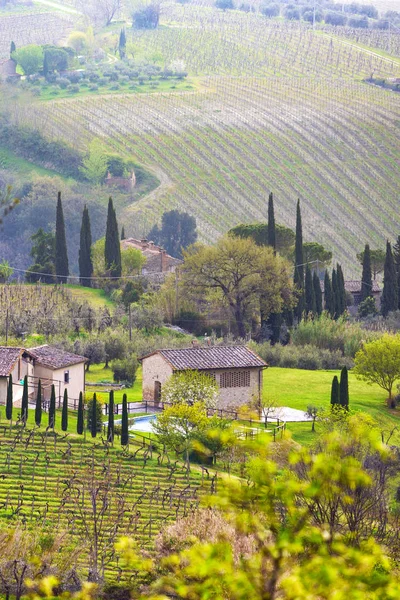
(74, 387)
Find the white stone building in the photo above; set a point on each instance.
(237, 370)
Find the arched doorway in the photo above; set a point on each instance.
(157, 391)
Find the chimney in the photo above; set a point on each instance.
(195, 343)
(164, 260)
(144, 243)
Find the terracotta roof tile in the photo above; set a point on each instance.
(8, 358)
(212, 357)
(50, 356)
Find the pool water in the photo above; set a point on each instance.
(144, 423)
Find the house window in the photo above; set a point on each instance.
(66, 376)
(234, 379)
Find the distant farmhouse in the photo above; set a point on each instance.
(8, 68)
(353, 288)
(64, 370)
(123, 183)
(237, 370)
(158, 262)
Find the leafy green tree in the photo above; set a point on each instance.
(80, 416)
(110, 426)
(30, 58)
(310, 304)
(55, 59)
(379, 362)
(85, 250)
(125, 369)
(112, 248)
(38, 406)
(61, 254)
(177, 232)
(366, 277)
(335, 392)
(344, 388)
(64, 414)
(179, 426)
(25, 401)
(248, 278)
(377, 261)
(317, 293)
(122, 44)
(367, 308)
(94, 164)
(284, 237)
(316, 255)
(43, 254)
(5, 271)
(52, 408)
(124, 422)
(7, 202)
(271, 222)
(299, 265)
(312, 413)
(147, 17)
(191, 387)
(389, 301)
(328, 295)
(9, 400)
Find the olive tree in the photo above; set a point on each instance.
(379, 362)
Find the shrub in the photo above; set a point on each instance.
(335, 18)
(270, 10)
(224, 4)
(293, 14)
(359, 22)
(306, 357)
(74, 77)
(62, 82)
(125, 369)
(73, 89)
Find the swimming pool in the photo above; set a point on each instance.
(143, 423)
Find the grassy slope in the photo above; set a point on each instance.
(96, 298)
(266, 116)
(298, 388)
(98, 374)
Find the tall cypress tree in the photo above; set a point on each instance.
(310, 304)
(110, 427)
(271, 222)
(335, 306)
(52, 408)
(299, 264)
(24, 403)
(328, 295)
(80, 419)
(85, 250)
(38, 407)
(124, 423)
(341, 292)
(366, 277)
(13, 48)
(317, 293)
(61, 255)
(112, 250)
(389, 300)
(93, 423)
(122, 44)
(9, 401)
(396, 258)
(335, 394)
(123, 233)
(64, 414)
(344, 388)
(274, 324)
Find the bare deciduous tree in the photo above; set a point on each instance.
(100, 12)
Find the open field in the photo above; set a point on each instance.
(298, 388)
(276, 107)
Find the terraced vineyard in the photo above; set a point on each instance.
(50, 481)
(277, 107)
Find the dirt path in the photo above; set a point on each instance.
(393, 61)
(59, 6)
(165, 184)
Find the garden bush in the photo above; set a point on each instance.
(305, 357)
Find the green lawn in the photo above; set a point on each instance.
(98, 374)
(96, 298)
(298, 388)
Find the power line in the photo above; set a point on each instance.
(73, 276)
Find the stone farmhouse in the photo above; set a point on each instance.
(125, 183)
(353, 287)
(8, 68)
(158, 262)
(51, 365)
(237, 370)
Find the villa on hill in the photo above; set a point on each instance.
(237, 370)
(158, 262)
(64, 370)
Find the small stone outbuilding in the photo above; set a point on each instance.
(237, 370)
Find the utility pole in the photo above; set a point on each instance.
(130, 322)
(7, 327)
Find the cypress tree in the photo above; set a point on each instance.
(310, 304)
(24, 403)
(342, 300)
(299, 264)
(328, 295)
(61, 257)
(64, 414)
(317, 293)
(110, 427)
(93, 424)
(112, 250)
(335, 394)
(396, 257)
(13, 48)
(9, 401)
(274, 323)
(366, 277)
(124, 423)
(122, 233)
(85, 250)
(335, 307)
(52, 408)
(79, 423)
(389, 300)
(45, 65)
(122, 44)
(271, 222)
(38, 407)
(344, 388)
